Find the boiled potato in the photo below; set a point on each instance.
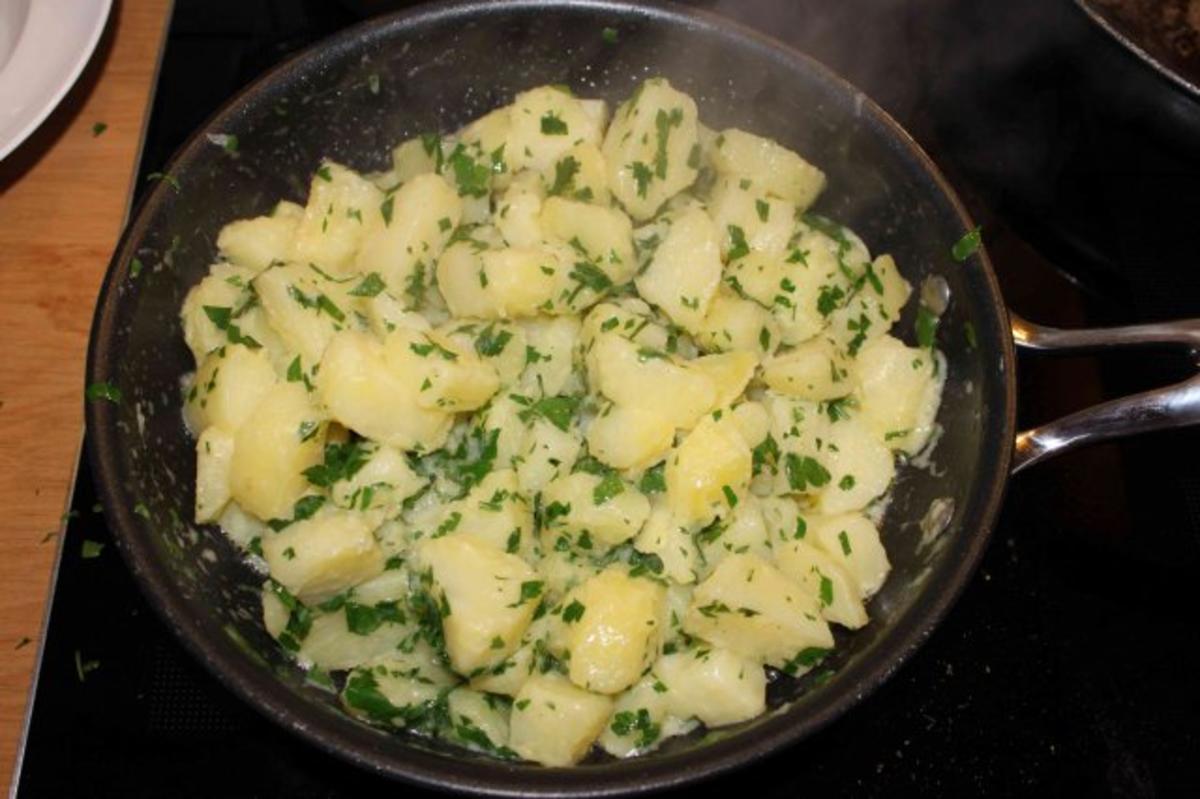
(744, 211)
(412, 228)
(604, 509)
(836, 593)
(224, 290)
(333, 226)
(664, 537)
(319, 557)
(214, 457)
(685, 270)
(602, 235)
(612, 630)
(651, 148)
(485, 602)
(774, 168)
(259, 242)
(899, 390)
(554, 722)
(228, 386)
(372, 388)
(708, 472)
(546, 123)
(383, 481)
(627, 437)
(282, 436)
(749, 607)
(733, 323)
(715, 685)
(852, 540)
(815, 370)
(649, 379)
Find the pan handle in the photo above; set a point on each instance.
(1159, 409)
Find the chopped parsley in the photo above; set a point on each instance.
(553, 125)
(968, 245)
(370, 286)
(641, 176)
(564, 175)
(103, 391)
(926, 327)
(573, 612)
(738, 247)
(804, 471)
(609, 486)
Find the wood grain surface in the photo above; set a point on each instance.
(63, 196)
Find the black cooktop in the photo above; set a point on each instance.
(1069, 666)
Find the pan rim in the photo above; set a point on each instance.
(368, 748)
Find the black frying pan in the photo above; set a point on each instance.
(436, 68)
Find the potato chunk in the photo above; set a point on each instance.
(612, 630)
(375, 394)
(485, 606)
(546, 123)
(715, 685)
(282, 437)
(214, 457)
(685, 271)
(630, 438)
(639, 377)
(603, 509)
(651, 148)
(257, 243)
(769, 165)
(554, 722)
(814, 370)
(322, 556)
(228, 386)
(332, 229)
(749, 607)
(836, 592)
(852, 540)
(604, 235)
(898, 391)
(410, 232)
(708, 471)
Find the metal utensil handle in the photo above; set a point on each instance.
(1160, 409)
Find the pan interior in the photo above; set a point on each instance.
(351, 100)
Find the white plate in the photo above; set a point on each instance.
(44, 45)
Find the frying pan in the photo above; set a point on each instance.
(434, 68)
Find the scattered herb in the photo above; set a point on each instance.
(342, 462)
(564, 175)
(926, 327)
(968, 245)
(553, 125)
(90, 549)
(103, 390)
(370, 286)
(804, 471)
(738, 247)
(573, 612)
(609, 486)
(641, 176)
(84, 667)
(99, 128)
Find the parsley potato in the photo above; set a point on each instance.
(562, 435)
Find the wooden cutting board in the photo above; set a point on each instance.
(63, 198)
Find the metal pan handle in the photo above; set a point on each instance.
(1159, 409)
